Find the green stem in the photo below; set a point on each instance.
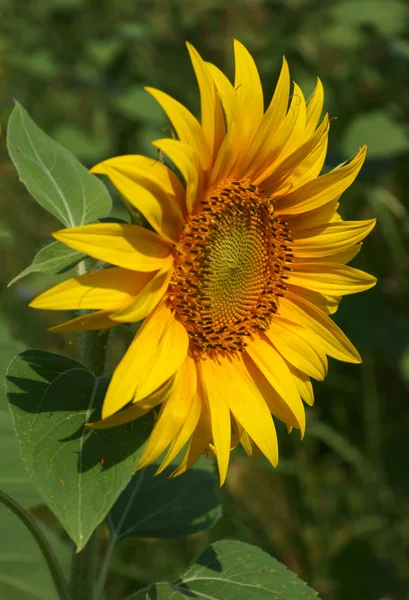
(84, 570)
(43, 544)
(84, 564)
(93, 346)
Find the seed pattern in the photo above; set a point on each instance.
(230, 269)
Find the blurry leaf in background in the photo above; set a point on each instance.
(385, 137)
(343, 448)
(103, 51)
(388, 18)
(84, 147)
(55, 258)
(231, 569)
(53, 175)
(136, 103)
(23, 571)
(158, 507)
(79, 473)
(6, 236)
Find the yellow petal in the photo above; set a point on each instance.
(165, 362)
(200, 438)
(128, 246)
(144, 368)
(303, 165)
(345, 256)
(277, 110)
(228, 156)
(330, 278)
(211, 108)
(271, 147)
(291, 340)
(242, 123)
(271, 364)
(251, 411)
(314, 109)
(131, 413)
(249, 96)
(275, 403)
(100, 319)
(186, 160)
(188, 429)
(106, 289)
(146, 300)
(272, 130)
(297, 137)
(186, 125)
(151, 188)
(225, 91)
(324, 332)
(250, 448)
(331, 238)
(229, 381)
(311, 218)
(304, 385)
(174, 412)
(324, 302)
(216, 395)
(324, 189)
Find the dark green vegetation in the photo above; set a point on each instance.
(336, 510)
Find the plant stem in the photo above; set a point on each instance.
(52, 561)
(84, 570)
(93, 349)
(84, 564)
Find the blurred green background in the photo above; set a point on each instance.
(336, 511)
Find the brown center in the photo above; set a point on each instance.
(229, 269)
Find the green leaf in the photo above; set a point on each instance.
(6, 235)
(104, 51)
(53, 259)
(341, 446)
(231, 569)
(136, 103)
(23, 571)
(14, 479)
(385, 137)
(84, 147)
(78, 472)
(52, 175)
(158, 507)
(372, 12)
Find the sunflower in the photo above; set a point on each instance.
(245, 261)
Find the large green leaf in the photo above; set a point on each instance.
(52, 175)
(78, 472)
(14, 479)
(158, 507)
(389, 22)
(53, 259)
(232, 570)
(23, 571)
(136, 103)
(385, 137)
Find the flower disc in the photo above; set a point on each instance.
(230, 269)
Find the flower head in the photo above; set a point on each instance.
(247, 260)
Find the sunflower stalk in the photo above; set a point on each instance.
(84, 565)
(84, 569)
